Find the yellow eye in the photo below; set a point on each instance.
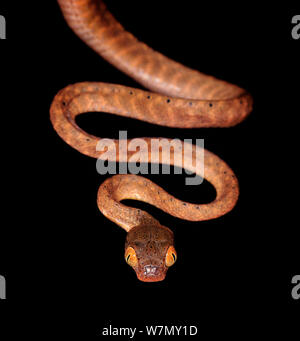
(171, 256)
(130, 257)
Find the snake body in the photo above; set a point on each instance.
(179, 97)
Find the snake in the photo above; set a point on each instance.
(174, 96)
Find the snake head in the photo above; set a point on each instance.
(149, 250)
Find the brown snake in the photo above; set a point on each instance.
(181, 97)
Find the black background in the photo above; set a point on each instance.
(63, 260)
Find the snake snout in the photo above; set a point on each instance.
(151, 273)
(150, 270)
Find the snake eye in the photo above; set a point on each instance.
(171, 256)
(130, 257)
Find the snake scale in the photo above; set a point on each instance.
(178, 97)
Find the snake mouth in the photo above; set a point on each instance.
(151, 273)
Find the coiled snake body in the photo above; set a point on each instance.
(181, 97)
